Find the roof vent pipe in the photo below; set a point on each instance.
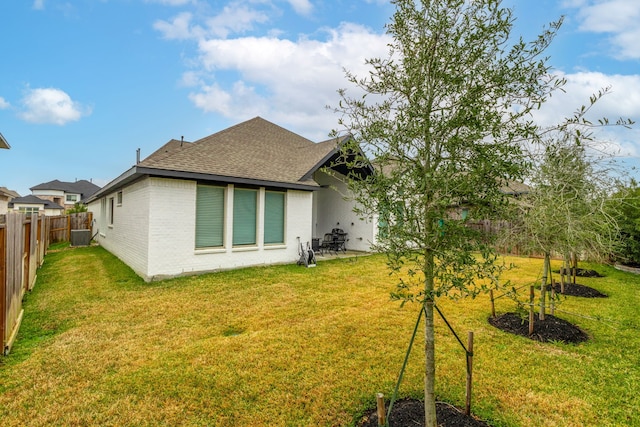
(137, 156)
(181, 140)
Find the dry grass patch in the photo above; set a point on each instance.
(290, 346)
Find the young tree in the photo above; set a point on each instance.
(572, 175)
(566, 210)
(443, 116)
(624, 205)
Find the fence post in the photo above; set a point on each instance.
(68, 228)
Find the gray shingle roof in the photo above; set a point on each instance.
(254, 152)
(82, 187)
(33, 200)
(5, 191)
(256, 149)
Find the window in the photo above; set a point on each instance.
(209, 216)
(273, 217)
(103, 213)
(29, 210)
(119, 198)
(72, 198)
(244, 216)
(110, 219)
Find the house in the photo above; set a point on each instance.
(6, 196)
(66, 194)
(247, 195)
(4, 143)
(30, 204)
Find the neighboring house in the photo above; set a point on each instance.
(3, 142)
(6, 196)
(32, 204)
(247, 195)
(66, 194)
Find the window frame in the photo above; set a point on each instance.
(110, 211)
(269, 242)
(222, 221)
(239, 235)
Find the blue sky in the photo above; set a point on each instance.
(85, 83)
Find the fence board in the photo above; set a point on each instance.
(3, 281)
(23, 245)
(14, 276)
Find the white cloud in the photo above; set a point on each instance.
(51, 106)
(179, 28)
(302, 7)
(38, 5)
(4, 104)
(289, 82)
(622, 101)
(235, 18)
(171, 2)
(619, 18)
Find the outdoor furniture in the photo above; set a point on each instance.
(327, 243)
(339, 240)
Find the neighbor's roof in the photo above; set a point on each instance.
(5, 191)
(83, 187)
(254, 152)
(514, 188)
(3, 142)
(33, 200)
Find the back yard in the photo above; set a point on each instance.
(289, 346)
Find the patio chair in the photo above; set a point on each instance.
(327, 243)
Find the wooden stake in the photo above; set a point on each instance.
(382, 418)
(532, 295)
(493, 304)
(469, 372)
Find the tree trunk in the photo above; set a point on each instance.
(429, 343)
(543, 288)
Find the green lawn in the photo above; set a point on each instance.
(289, 346)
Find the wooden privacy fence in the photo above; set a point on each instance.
(62, 225)
(23, 243)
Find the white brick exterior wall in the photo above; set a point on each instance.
(128, 237)
(333, 211)
(154, 230)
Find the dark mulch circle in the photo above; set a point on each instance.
(550, 329)
(581, 272)
(578, 290)
(410, 412)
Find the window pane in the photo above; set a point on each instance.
(209, 216)
(244, 217)
(273, 217)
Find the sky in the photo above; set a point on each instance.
(85, 83)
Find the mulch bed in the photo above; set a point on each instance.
(577, 290)
(550, 329)
(582, 272)
(410, 412)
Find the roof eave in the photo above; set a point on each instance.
(137, 172)
(4, 143)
